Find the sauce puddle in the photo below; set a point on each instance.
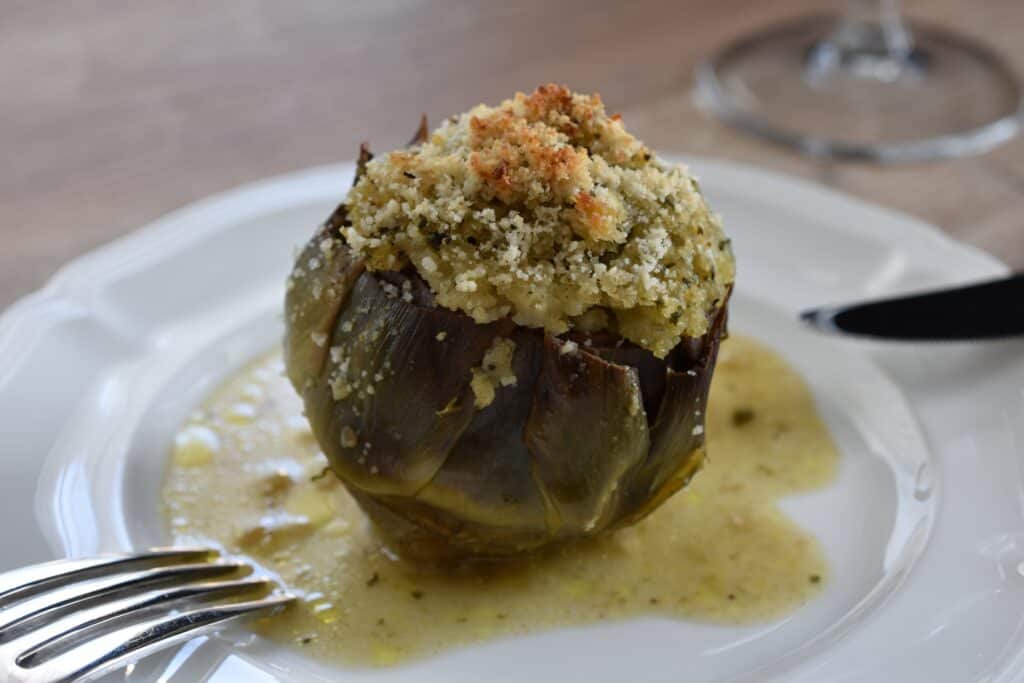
(246, 474)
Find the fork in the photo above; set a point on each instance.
(68, 620)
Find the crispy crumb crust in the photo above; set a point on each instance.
(546, 210)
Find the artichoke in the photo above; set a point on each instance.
(590, 437)
(462, 438)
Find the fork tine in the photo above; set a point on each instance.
(20, 583)
(55, 637)
(101, 654)
(79, 594)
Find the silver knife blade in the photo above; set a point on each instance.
(985, 310)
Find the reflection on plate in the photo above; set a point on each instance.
(137, 333)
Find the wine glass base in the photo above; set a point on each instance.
(946, 97)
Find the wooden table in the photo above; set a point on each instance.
(113, 112)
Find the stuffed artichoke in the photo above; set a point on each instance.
(504, 337)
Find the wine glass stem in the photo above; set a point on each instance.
(873, 26)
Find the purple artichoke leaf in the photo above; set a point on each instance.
(677, 433)
(422, 133)
(394, 395)
(487, 481)
(586, 430)
(319, 287)
(650, 370)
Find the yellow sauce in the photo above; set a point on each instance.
(246, 474)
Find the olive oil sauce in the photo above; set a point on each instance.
(246, 474)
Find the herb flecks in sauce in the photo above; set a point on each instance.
(719, 551)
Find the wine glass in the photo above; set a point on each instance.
(868, 85)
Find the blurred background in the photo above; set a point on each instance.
(115, 112)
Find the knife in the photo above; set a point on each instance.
(985, 310)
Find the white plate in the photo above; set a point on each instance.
(924, 527)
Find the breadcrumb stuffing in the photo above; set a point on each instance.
(349, 437)
(546, 210)
(495, 370)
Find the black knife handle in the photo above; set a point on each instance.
(981, 311)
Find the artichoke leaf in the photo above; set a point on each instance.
(394, 395)
(677, 434)
(365, 157)
(650, 371)
(422, 133)
(318, 289)
(487, 482)
(586, 430)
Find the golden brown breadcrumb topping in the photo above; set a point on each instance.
(547, 210)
